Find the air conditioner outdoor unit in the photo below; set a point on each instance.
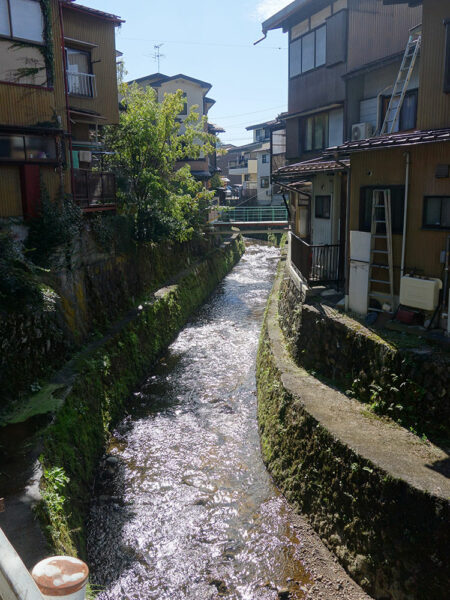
(361, 131)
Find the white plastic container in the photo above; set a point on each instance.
(420, 293)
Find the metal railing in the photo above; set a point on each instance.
(316, 263)
(238, 164)
(92, 189)
(254, 214)
(81, 84)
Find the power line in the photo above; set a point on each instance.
(253, 112)
(187, 42)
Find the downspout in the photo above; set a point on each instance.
(405, 212)
(347, 235)
(66, 95)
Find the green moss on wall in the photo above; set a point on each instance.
(105, 380)
(391, 537)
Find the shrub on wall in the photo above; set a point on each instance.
(58, 224)
(18, 281)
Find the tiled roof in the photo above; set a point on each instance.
(310, 167)
(393, 140)
(156, 79)
(98, 13)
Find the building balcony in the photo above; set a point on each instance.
(81, 84)
(94, 190)
(317, 263)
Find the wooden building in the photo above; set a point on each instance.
(414, 167)
(58, 85)
(343, 58)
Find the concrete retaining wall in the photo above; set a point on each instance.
(372, 490)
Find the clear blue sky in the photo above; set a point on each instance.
(213, 41)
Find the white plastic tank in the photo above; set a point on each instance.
(418, 292)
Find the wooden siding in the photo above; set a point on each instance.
(89, 28)
(434, 104)
(317, 88)
(387, 167)
(377, 31)
(10, 194)
(22, 105)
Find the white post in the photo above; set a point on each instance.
(61, 577)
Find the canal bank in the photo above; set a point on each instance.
(69, 420)
(183, 507)
(374, 492)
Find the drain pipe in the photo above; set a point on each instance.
(405, 215)
(348, 170)
(66, 95)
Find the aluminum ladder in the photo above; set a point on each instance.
(381, 245)
(403, 78)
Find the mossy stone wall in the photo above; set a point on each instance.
(410, 387)
(392, 538)
(81, 297)
(77, 438)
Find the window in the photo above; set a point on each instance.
(408, 111)
(436, 212)
(80, 81)
(27, 148)
(323, 207)
(265, 158)
(308, 52)
(316, 134)
(447, 58)
(264, 182)
(262, 134)
(397, 207)
(22, 19)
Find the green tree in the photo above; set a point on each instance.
(216, 182)
(164, 201)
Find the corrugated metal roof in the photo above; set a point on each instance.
(98, 13)
(394, 140)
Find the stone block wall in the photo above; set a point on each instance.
(406, 385)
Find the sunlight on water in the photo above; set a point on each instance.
(189, 511)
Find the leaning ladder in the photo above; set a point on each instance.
(381, 245)
(403, 78)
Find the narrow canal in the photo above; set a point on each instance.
(184, 507)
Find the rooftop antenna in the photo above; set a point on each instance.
(157, 56)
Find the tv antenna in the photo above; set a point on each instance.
(157, 56)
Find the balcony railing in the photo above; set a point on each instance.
(81, 84)
(94, 190)
(243, 164)
(319, 263)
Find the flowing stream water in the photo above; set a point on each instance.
(184, 508)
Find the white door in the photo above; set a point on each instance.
(322, 219)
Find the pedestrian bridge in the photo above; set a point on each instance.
(251, 219)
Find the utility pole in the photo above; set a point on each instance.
(157, 55)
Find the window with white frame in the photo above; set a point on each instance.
(22, 20)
